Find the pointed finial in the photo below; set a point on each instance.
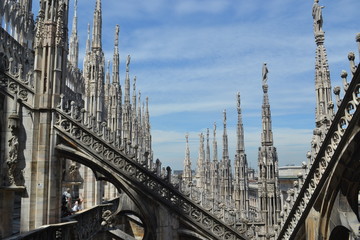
(224, 117)
(97, 26)
(351, 57)
(88, 39)
(357, 38)
(75, 8)
(108, 72)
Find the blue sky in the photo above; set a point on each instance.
(191, 57)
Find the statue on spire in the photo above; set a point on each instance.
(317, 16)
(264, 73)
(117, 30)
(128, 62)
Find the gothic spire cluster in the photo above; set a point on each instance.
(74, 40)
(230, 187)
(126, 119)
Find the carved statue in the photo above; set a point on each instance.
(264, 73)
(128, 62)
(73, 172)
(109, 219)
(117, 30)
(13, 152)
(317, 15)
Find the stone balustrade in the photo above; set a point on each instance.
(90, 136)
(89, 220)
(299, 204)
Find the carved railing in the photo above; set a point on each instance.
(13, 84)
(80, 226)
(53, 231)
(327, 156)
(105, 152)
(16, 76)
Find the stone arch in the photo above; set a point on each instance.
(147, 212)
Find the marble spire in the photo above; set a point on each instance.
(74, 41)
(126, 112)
(226, 174)
(187, 178)
(115, 70)
(200, 171)
(241, 187)
(324, 104)
(266, 135)
(207, 161)
(215, 150)
(225, 140)
(214, 184)
(116, 83)
(97, 26)
(240, 129)
(107, 97)
(88, 40)
(324, 110)
(148, 137)
(268, 186)
(133, 103)
(127, 82)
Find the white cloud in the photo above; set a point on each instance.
(191, 59)
(185, 7)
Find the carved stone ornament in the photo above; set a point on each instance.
(12, 159)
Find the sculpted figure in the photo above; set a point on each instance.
(264, 73)
(317, 16)
(128, 62)
(13, 155)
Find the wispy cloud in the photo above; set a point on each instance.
(191, 57)
(170, 145)
(200, 6)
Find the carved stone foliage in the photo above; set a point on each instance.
(325, 158)
(140, 176)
